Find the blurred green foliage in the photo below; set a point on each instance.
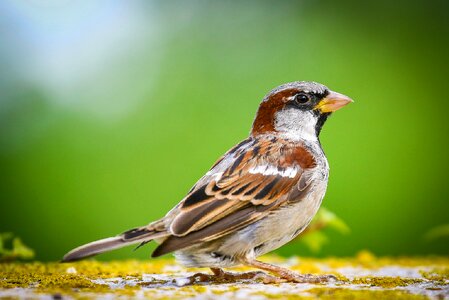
(314, 237)
(110, 111)
(12, 248)
(438, 232)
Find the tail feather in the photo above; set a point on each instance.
(130, 237)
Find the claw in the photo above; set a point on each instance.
(221, 276)
(308, 278)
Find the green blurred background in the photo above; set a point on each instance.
(111, 110)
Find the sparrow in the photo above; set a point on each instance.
(257, 197)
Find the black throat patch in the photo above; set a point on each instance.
(322, 117)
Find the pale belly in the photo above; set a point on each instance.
(259, 238)
(283, 225)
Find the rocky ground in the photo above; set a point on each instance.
(362, 277)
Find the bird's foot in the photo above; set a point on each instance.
(221, 276)
(307, 278)
(288, 275)
(255, 275)
(198, 278)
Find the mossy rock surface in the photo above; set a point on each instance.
(361, 277)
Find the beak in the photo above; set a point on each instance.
(334, 101)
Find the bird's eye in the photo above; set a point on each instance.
(301, 98)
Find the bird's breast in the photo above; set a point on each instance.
(289, 221)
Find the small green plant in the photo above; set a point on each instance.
(437, 232)
(12, 248)
(314, 237)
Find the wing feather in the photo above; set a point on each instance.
(242, 187)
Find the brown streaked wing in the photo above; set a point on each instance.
(259, 178)
(239, 219)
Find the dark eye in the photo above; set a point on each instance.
(301, 98)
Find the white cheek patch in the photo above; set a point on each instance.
(296, 124)
(289, 172)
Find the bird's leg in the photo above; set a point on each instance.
(218, 276)
(221, 276)
(283, 275)
(228, 276)
(287, 274)
(217, 271)
(232, 277)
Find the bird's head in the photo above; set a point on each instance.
(297, 110)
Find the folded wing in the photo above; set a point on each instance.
(255, 177)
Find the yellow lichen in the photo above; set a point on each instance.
(347, 294)
(440, 275)
(385, 282)
(82, 279)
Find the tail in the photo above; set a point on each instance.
(140, 235)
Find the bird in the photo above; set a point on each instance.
(258, 196)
